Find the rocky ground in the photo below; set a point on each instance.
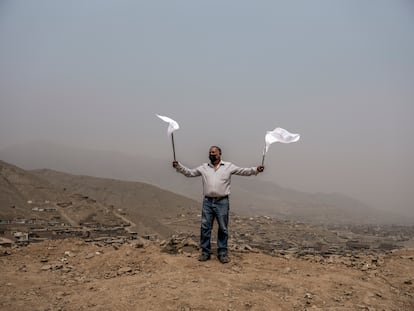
(71, 274)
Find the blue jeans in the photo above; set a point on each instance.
(219, 210)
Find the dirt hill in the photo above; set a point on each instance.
(30, 201)
(149, 208)
(50, 198)
(18, 186)
(74, 275)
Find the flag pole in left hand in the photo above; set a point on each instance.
(172, 140)
(173, 126)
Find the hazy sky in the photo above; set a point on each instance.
(341, 73)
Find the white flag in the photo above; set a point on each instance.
(173, 125)
(280, 135)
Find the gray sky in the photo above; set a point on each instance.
(341, 73)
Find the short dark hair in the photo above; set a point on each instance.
(217, 147)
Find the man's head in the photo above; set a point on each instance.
(214, 154)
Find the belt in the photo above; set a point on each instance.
(215, 199)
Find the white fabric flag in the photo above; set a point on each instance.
(280, 135)
(173, 125)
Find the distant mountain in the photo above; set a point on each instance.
(250, 195)
(18, 187)
(79, 199)
(146, 205)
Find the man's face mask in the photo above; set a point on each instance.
(212, 158)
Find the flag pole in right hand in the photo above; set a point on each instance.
(264, 153)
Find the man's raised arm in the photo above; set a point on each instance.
(185, 170)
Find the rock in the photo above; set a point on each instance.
(190, 242)
(140, 243)
(69, 254)
(89, 256)
(46, 267)
(6, 253)
(57, 266)
(124, 270)
(67, 269)
(178, 244)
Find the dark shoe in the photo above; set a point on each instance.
(204, 257)
(223, 258)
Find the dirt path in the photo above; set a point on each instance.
(62, 212)
(131, 224)
(73, 275)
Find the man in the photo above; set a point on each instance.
(216, 177)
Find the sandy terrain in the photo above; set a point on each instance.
(74, 275)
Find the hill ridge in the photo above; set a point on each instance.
(249, 195)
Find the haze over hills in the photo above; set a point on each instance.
(250, 195)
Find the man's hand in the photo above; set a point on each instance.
(260, 168)
(175, 164)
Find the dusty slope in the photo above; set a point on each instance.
(73, 275)
(77, 200)
(145, 205)
(26, 196)
(17, 186)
